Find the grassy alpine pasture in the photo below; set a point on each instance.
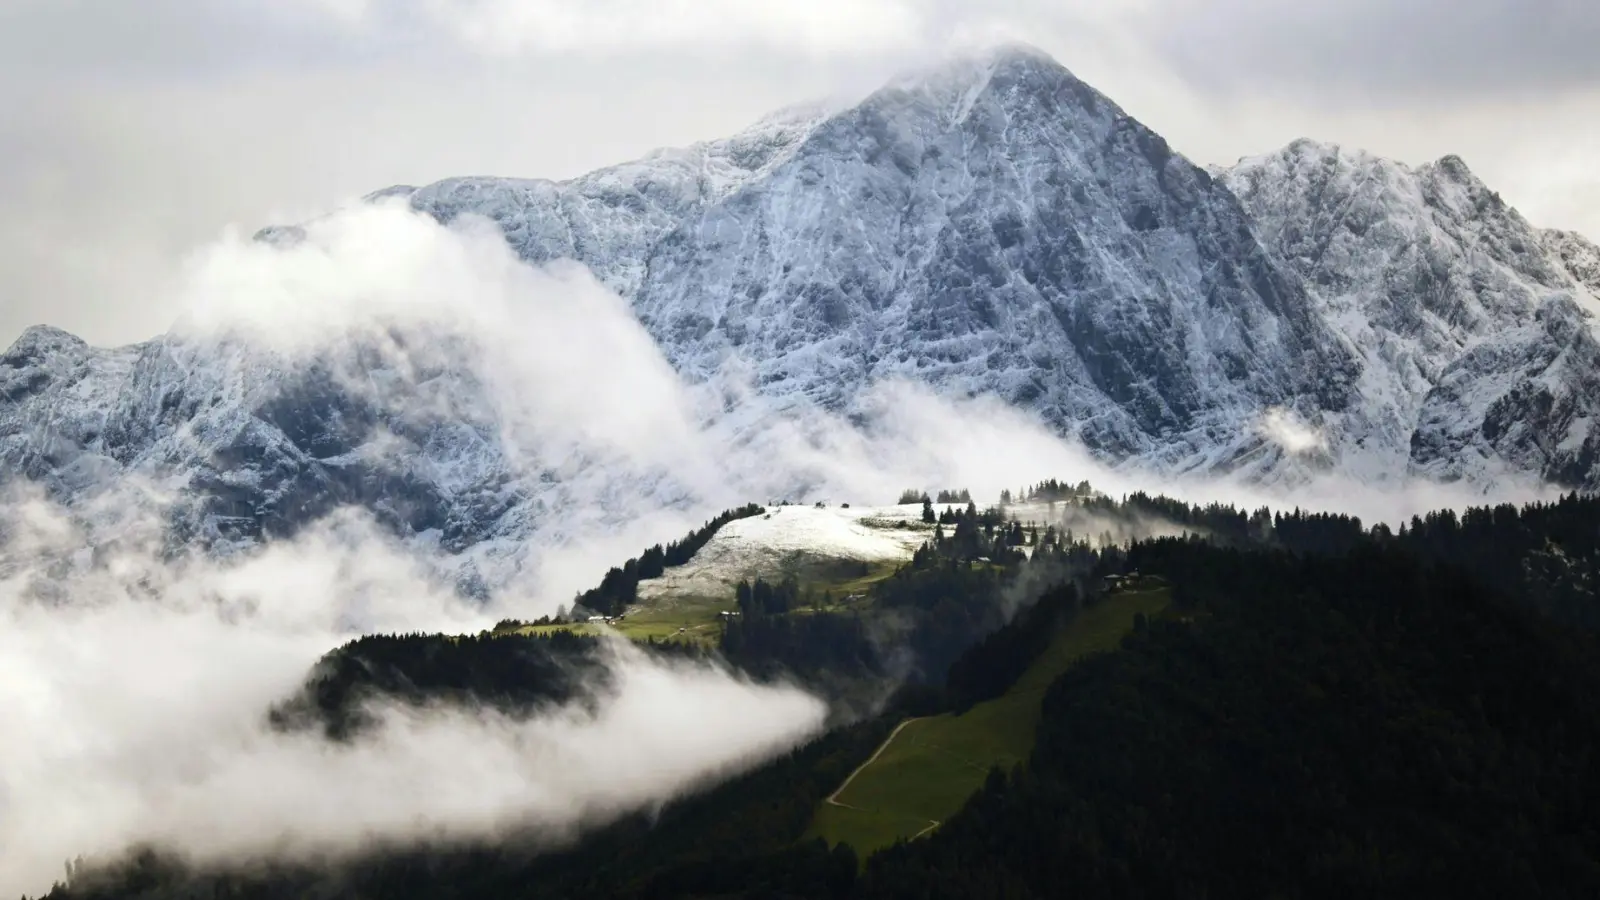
(697, 619)
(693, 620)
(929, 767)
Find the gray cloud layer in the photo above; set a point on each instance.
(135, 132)
(1385, 52)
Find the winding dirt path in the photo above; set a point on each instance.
(833, 798)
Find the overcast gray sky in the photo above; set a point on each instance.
(133, 132)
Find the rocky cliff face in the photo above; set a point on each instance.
(991, 226)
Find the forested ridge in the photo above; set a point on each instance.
(1324, 728)
(1332, 710)
(516, 674)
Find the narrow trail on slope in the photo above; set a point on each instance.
(833, 798)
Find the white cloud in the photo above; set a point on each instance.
(143, 701)
(1286, 429)
(563, 356)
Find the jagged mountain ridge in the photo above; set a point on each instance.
(1475, 329)
(1449, 407)
(993, 225)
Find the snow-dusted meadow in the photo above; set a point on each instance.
(763, 545)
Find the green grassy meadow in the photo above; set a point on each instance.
(692, 620)
(697, 619)
(929, 769)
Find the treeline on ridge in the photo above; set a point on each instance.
(517, 675)
(1545, 554)
(912, 495)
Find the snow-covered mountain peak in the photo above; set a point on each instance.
(954, 85)
(393, 190)
(1306, 159)
(1347, 192)
(990, 224)
(1455, 167)
(39, 341)
(1468, 320)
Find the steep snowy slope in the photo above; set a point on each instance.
(1581, 259)
(993, 225)
(1478, 355)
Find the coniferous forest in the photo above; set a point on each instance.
(1327, 710)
